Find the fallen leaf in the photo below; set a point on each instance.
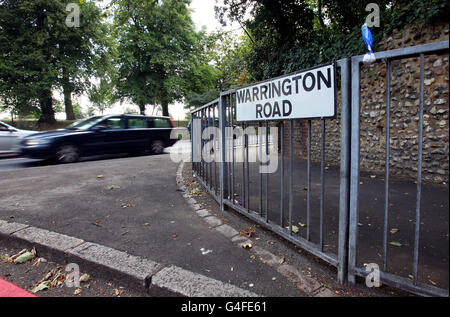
(58, 279)
(432, 282)
(25, 257)
(295, 229)
(40, 287)
(15, 256)
(99, 176)
(117, 292)
(4, 258)
(302, 224)
(395, 243)
(247, 245)
(204, 251)
(85, 277)
(248, 232)
(78, 291)
(47, 276)
(282, 260)
(394, 230)
(174, 235)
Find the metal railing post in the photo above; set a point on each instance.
(344, 194)
(223, 148)
(354, 168)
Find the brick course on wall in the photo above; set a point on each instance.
(405, 98)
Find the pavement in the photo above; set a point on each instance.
(134, 220)
(434, 222)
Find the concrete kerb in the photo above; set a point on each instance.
(113, 264)
(196, 285)
(304, 283)
(129, 270)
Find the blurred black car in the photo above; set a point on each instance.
(101, 135)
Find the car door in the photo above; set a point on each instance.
(161, 129)
(7, 138)
(109, 137)
(138, 133)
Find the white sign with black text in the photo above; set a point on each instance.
(304, 95)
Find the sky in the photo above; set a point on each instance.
(204, 15)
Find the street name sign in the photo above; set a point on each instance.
(308, 94)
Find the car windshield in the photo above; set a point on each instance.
(85, 124)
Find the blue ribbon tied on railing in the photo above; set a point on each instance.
(369, 58)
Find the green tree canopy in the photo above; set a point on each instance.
(156, 52)
(288, 35)
(41, 52)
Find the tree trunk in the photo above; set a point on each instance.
(68, 103)
(142, 109)
(165, 108)
(319, 13)
(47, 112)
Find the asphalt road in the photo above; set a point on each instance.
(10, 162)
(17, 162)
(13, 163)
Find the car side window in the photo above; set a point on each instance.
(137, 123)
(113, 124)
(3, 127)
(161, 123)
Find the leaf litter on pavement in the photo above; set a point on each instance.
(54, 278)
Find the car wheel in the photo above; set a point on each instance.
(67, 153)
(157, 147)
